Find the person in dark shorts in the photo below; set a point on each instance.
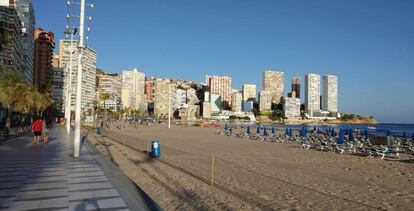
(37, 127)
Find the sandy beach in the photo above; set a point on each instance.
(253, 175)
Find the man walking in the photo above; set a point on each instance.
(37, 127)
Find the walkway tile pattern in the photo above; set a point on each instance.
(46, 177)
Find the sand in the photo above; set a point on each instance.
(254, 175)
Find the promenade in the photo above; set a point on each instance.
(47, 177)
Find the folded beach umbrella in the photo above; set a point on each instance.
(366, 133)
(412, 138)
(404, 135)
(333, 132)
(314, 128)
(265, 132)
(290, 132)
(341, 139)
(303, 132)
(258, 130)
(248, 130)
(351, 135)
(287, 132)
(388, 132)
(226, 127)
(273, 130)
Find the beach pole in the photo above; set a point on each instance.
(212, 171)
(148, 145)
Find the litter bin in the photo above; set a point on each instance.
(98, 130)
(155, 149)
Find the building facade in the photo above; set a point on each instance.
(274, 83)
(330, 93)
(163, 92)
(43, 56)
(249, 92)
(312, 94)
(149, 90)
(295, 87)
(265, 101)
(220, 85)
(110, 84)
(88, 95)
(236, 101)
(26, 14)
(179, 98)
(291, 107)
(11, 38)
(133, 85)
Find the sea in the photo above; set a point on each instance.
(377, 130)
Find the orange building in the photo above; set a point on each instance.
(43, 57)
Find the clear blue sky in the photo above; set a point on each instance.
(369, 44)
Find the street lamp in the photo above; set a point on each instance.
(69, 79)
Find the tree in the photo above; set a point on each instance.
(104, 97)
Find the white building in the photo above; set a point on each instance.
(216, 103)
(26, 14)
(179, 98)
(163, 91)
(133, 85)
(110, 84)
(236, 101)
(312, 93)
(330, 93)
(265, 101)
(274, 83)
(88, 71)
(291, 107)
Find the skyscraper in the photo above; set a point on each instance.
(133, 85)
(163, 97)
(220, 85)
(273, 82)
(296, 86)
(43, 56)
(11, 39)
(25, 12)
(110, 84)
(330, 93)
(312, 93)
(66, 47)
(237, 100)
(265, 101)
(249, 92)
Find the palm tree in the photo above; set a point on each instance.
(104, 97)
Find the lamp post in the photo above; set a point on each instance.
(69, 80)
(169, 106)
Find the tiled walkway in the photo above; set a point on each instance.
(46, 177)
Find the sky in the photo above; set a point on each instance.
(368, 44)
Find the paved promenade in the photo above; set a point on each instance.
(46, 177)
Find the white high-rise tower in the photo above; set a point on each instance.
(312, 93)
(330, 93)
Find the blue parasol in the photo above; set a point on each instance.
(258, 130)
(341, 139)
(290, 132)
(351, 135)
(226, 127)
(248, 130)
(404, 135)
(366, 133)
(388, 132)
(273, 130)
(287, 132)
(333, 132)
(265, 132)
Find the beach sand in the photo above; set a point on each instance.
(254, 175)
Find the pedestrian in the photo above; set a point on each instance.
(45, 131)
(37, 127)
(7, 127)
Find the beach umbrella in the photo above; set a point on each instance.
(388, 133)
(412, 138)
(366, 133)
(258, 130)
(404, 135)
(332, 132)
(273, 130)
(248, 130)
(287, 132)
(341, 139)
(303, 132)
(314, 128)
(226, 127)
(290, 132)
(265, 132)
(351, 136)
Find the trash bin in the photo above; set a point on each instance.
(155, 149)
(98, 130)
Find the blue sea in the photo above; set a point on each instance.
(379, 129)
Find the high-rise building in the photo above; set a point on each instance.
(88, 95)
(220, 85)
(236, 101)
(27, 17)
(163, 92)
(265, 101)
(11, 38)
(330, 93)
(249, 92)
(110, 84)
(296, 87)
(133, 85)
(179, 98)
(274, 83)
(43, 56)
(58, 84)
(312, 93)
(149, 90)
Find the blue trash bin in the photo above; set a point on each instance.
(155, 149)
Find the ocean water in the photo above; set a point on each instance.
(379, 129)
